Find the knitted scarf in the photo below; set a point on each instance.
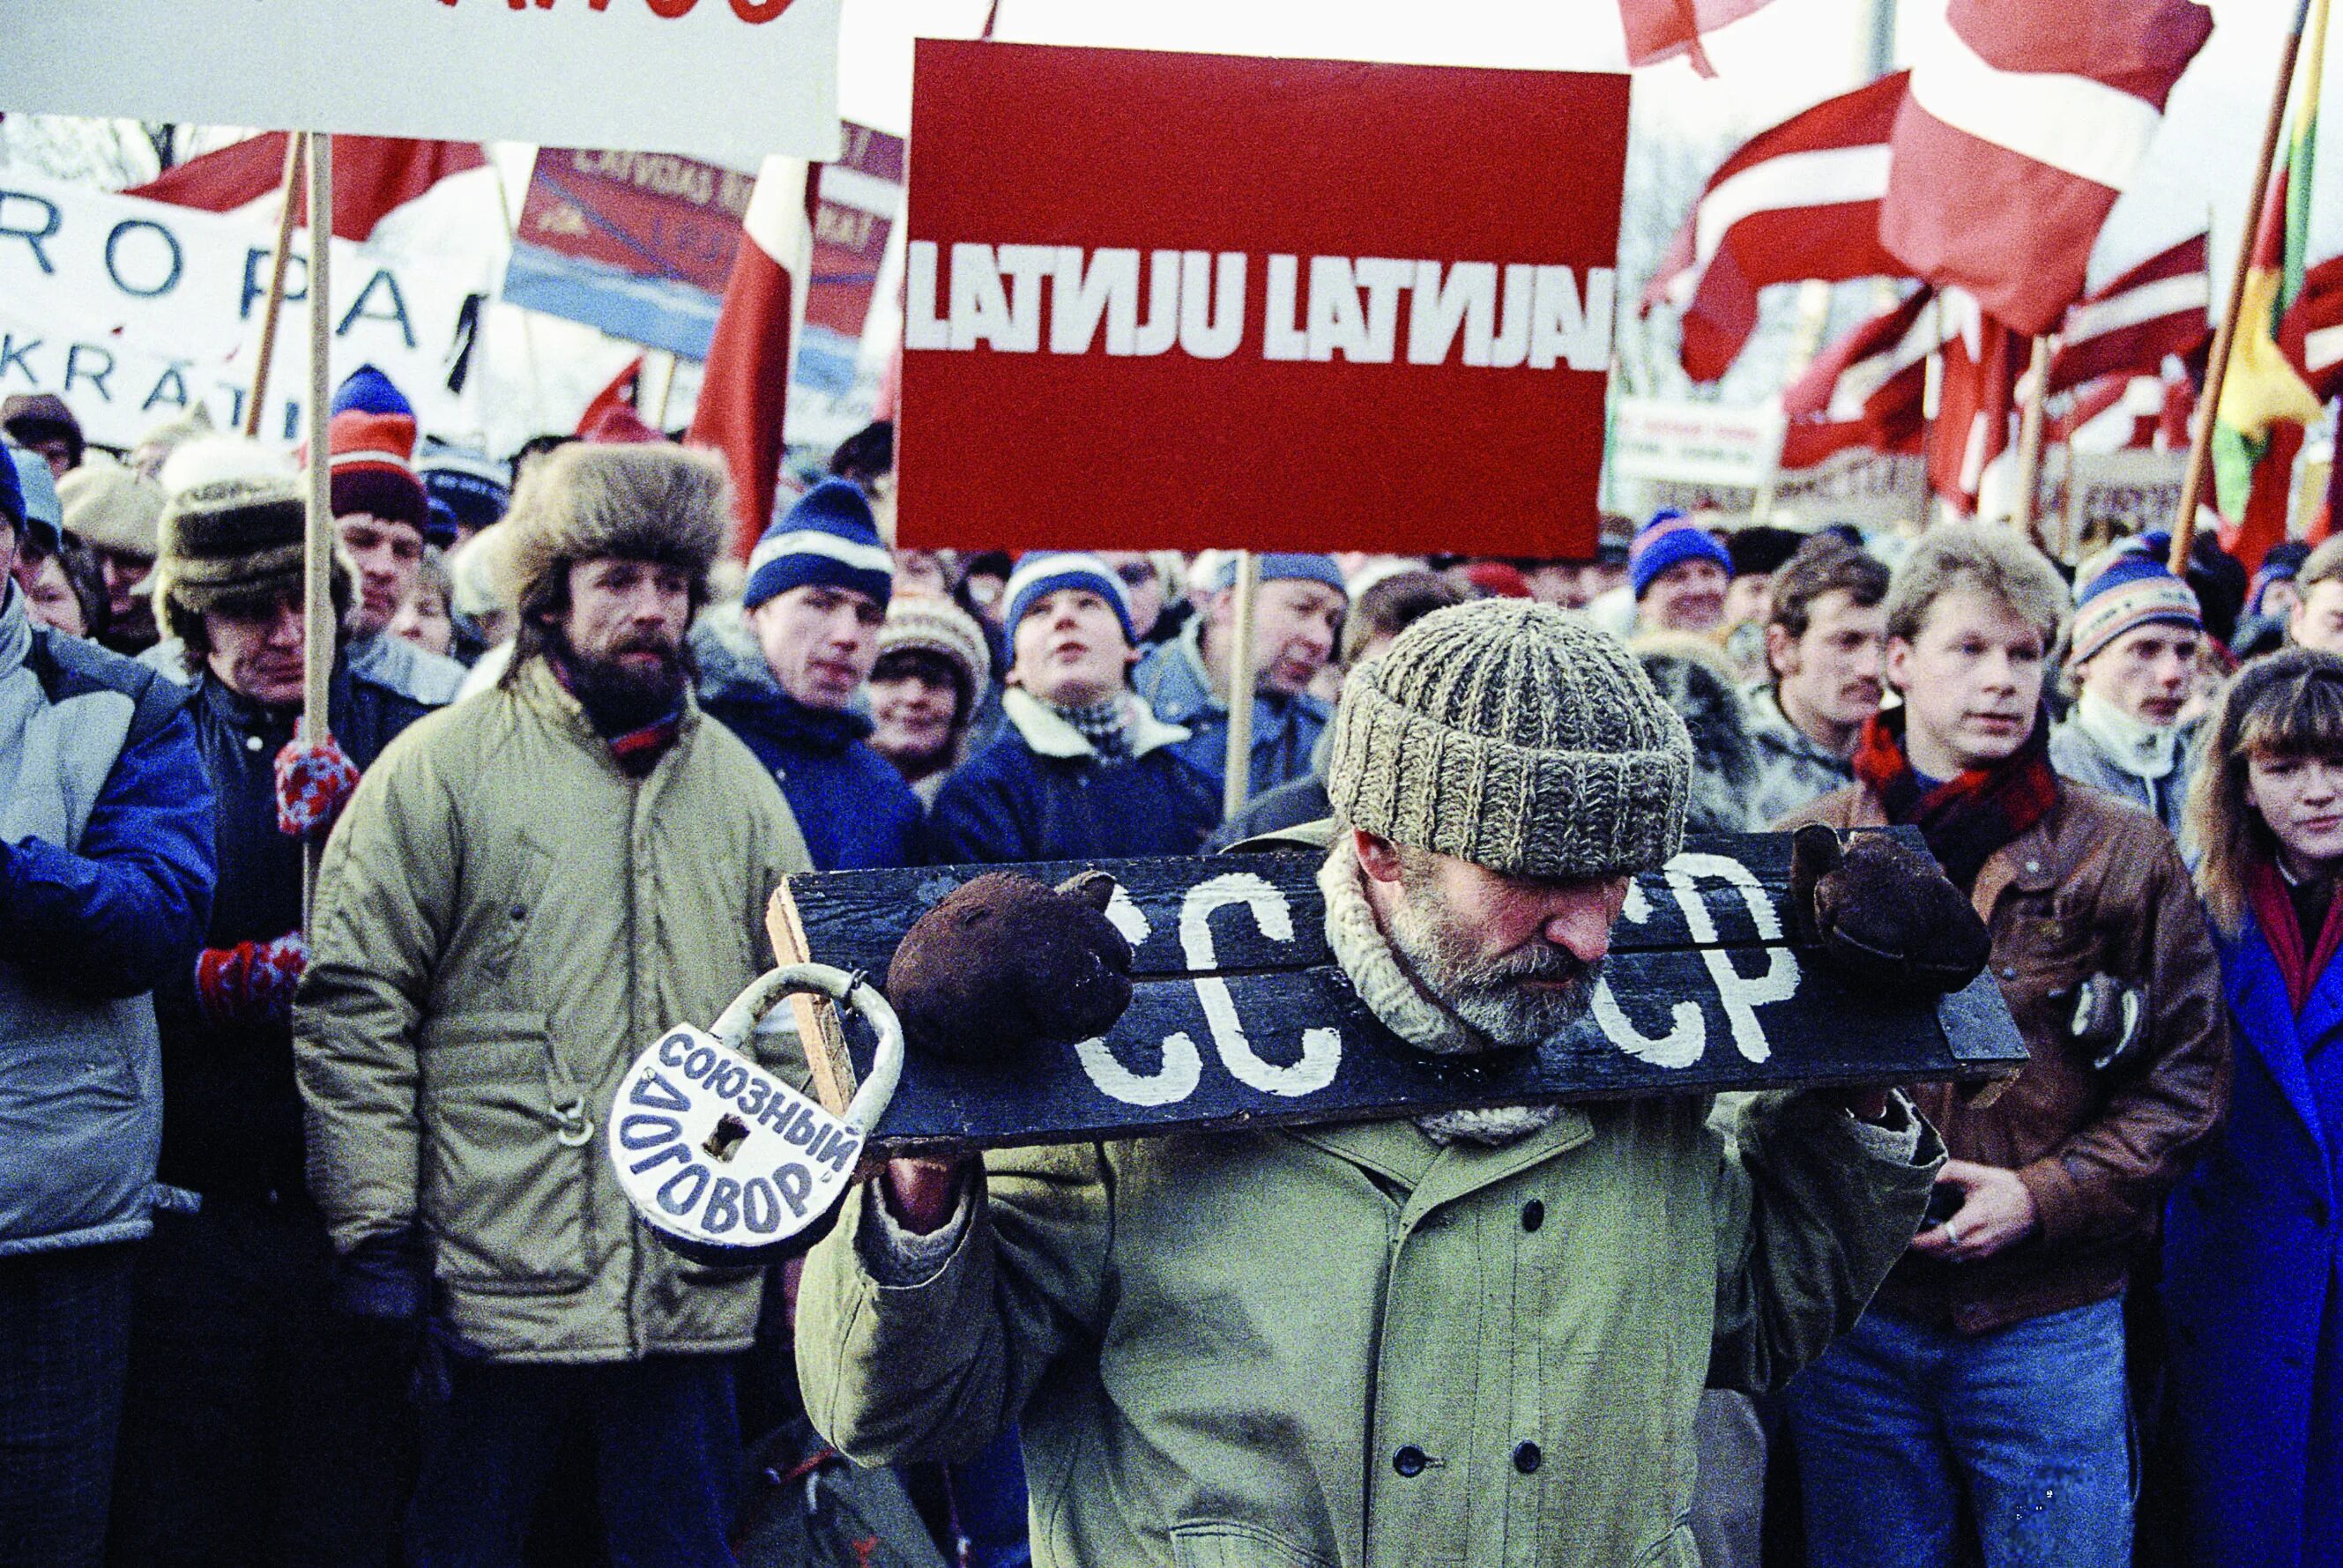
(2265, 889)
(1967, 817)
(1105, 724)
(637, 749)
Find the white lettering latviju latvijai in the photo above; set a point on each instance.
(1128, 302)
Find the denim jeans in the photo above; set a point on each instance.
(1899, 1424)
(64, 1346)
(665, 1436)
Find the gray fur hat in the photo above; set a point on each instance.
(1518, 737)
(651, 502)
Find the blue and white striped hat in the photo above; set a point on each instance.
(828, 538)
(1044, 572)
(2122, 589)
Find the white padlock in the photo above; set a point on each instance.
(723, 1160)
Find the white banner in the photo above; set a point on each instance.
(134, 311)
(1706, 444)
(726, 80)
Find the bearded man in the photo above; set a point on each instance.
(527, 888)
(1473, 1338)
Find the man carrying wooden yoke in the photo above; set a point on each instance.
(1477, 1337)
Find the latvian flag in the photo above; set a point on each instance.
(2128, 326)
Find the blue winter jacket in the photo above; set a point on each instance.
(854, 809)
(106, 880)
(1040, 792)
(1285, 729)
(2253, 1284)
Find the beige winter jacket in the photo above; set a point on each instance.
(504, 921)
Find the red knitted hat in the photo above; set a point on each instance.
(372, 456)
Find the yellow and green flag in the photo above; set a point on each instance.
(2263, 388)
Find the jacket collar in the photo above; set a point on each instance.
(2259, 999)
(1046, 735)
(826, 730)
(1767, 720)
(537, 688)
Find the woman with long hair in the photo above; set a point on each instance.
(2253, 1248)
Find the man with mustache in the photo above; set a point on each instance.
(819, 585)
(528, 888)
(2131, 668)
(1469, 1338)
(261, 1422)
(1824, 630)
(1988, 1376)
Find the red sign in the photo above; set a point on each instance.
(1191, 300)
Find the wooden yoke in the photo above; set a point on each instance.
(1241, 1016)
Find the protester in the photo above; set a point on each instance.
(1679, 574)
(1340, 1344)
(115, 512)
(42, 424)
(1141, 577)
(819, 583)
(2317, 620)
(380, 513)
(931, 674)
(1756, 552)
(1825, 630)
(2132, 666)
(916, 572)
(523, 893)
(1083, 767)
(155, 447)
(1691, 677)
(2253, 1248)
(64, 588)
(483, 621)
(1386, 609)
(105, 881)
(1297, 618)
(425, 618)
(1988, 1374)
(474, 486)
(263, 1424)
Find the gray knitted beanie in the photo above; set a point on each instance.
(1515, 735)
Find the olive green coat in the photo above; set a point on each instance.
(504, 921)
(1354, 1345)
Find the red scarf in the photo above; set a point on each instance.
(2274, 908)
(1967, 817)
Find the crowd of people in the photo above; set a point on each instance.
(309, 1253)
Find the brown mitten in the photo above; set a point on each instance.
(1882, 916)
(1006, 962)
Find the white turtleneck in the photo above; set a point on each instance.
(2142, 749)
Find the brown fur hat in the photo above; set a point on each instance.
(656, 503)
(231, 537)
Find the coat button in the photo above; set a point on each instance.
(1527, 1457)
(251, 743)
(1409, 1461)
(1533, 1214)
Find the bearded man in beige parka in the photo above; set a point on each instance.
(528, 888)
(1476, 1338)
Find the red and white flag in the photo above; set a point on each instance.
(1976, 397)
(2115, 413)
(1800, 201)
(2127, 327)
(373, 176)
(1662, 29)
(2023, 124)
(745, 392)
(2310, 333)
(1867, 389)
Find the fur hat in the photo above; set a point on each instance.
(232, 532)
(111, 507)
(660, 503)
(1513, 734)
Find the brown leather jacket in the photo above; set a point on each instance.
(2097, 886)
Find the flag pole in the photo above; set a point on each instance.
(1239, 788)
(317, 619)
(2029, 439)
(294, 142)
(2217, 368)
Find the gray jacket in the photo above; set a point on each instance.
(1793, 770)
(2077, 754)
(105, 879)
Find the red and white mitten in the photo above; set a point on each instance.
(251, 983)
(315, 779)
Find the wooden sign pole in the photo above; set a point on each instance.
(1238, 787)
(2030, 440)
(317, 619)
(2217, 368)
(295, 143)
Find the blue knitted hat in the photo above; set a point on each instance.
(1287, 567)
(472, 485)
(828, 538)
(1044, 572)
(11, 490)
(1670, 539)
(2124, 588)
(369, 391)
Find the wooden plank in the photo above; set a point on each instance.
(1702, 993)
(833, 1069)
